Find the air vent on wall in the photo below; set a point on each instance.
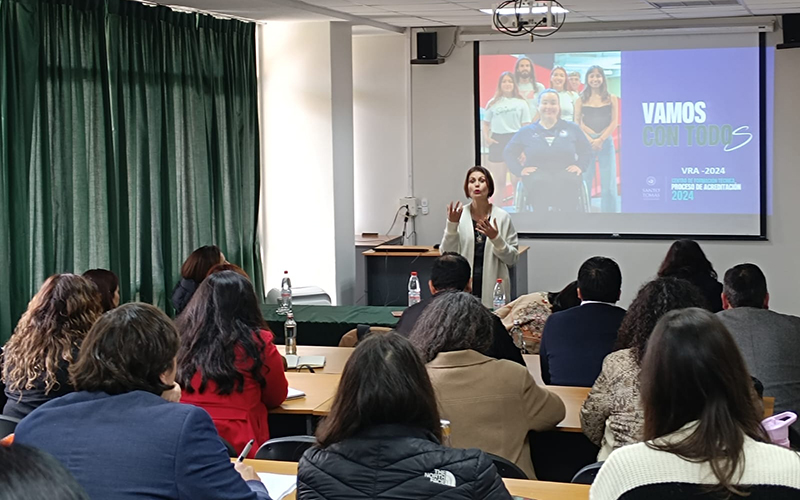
(693, 3)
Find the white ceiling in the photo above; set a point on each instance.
(423, 13)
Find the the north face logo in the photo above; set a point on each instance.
(443, 477)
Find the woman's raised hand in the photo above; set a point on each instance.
(487, 229)
(574, 169)
(454, 210)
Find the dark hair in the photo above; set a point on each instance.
(745, 286)
(30, 474)
(451, 271)
(600, 279)
(106, 283)
(685, 259)
(694, 371)
(196, 265)
(128, 349)
(383, 382)
(227, 266)
(602, 92)
(222, 318)
(654, 299)
(486, 173)
(565, 299)
(533, 71)
(454, 321)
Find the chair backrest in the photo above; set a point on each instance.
(507, 468)
(229, 447)
(286, 449)
(7, 425)
(352, 338)
(587, 474)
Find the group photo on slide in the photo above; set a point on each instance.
(550, 131)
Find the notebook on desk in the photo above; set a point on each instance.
(279, 486)
(293, 361)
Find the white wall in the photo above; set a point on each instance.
(305, 100)
(381, 129)
(443, 149)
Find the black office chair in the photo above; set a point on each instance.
(229, 447)
(507, 468)
(587, 474)
(7, 425)
(287, 449)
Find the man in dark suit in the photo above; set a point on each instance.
(575, 341)
(769, 341)
(451, 272)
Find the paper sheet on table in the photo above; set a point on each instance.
(294, 394)
(278, 485)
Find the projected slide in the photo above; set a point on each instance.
(608, 141)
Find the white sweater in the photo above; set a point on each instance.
(638, 471)
(503, 251)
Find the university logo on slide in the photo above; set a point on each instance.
(443, 477)
(651, 192)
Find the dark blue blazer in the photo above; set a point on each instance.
(136, 446)
(575, 342)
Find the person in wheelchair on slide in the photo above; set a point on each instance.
(549, 157)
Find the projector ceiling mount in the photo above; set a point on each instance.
(534, 18)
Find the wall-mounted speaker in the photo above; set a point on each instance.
(427, 49)
(791, 31)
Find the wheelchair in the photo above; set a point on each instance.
(523, 201)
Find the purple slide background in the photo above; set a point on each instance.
(727, 81)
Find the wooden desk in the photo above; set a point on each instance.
(540, 490)
(335, 357)
(319, 388)
(364, 243)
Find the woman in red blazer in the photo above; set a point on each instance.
(227, 363)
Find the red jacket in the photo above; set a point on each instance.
(242, 416)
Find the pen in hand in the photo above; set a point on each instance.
(246, 450)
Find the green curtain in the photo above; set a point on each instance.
(128, 138)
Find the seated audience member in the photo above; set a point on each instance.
(575, 341)
(490, 403)
(193, 272)
(686, 260)
(382, 437)
(118, 436)
(702, 430)
(107, 284)
(46, 341)
(531, 311)
(769, 341)
(27, 474)
(227, 266)
(612, 414)
(227, 363)
(451, 272)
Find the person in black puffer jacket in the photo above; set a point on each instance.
(381, 439)
(193, 272)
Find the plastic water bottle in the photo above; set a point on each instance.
(286, 294)
(516, 335)
(290, 333)
(499, 295)
(414, 293)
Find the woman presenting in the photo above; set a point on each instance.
(550, 156)
(596, 112)
(471, 225)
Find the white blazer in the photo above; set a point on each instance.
(503, 251)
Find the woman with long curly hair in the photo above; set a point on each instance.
(227, 362)
(46, 341)
(612, 414)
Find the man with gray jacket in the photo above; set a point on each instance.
(769, 341)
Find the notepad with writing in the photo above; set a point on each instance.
(293, 361)
(278, 485)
